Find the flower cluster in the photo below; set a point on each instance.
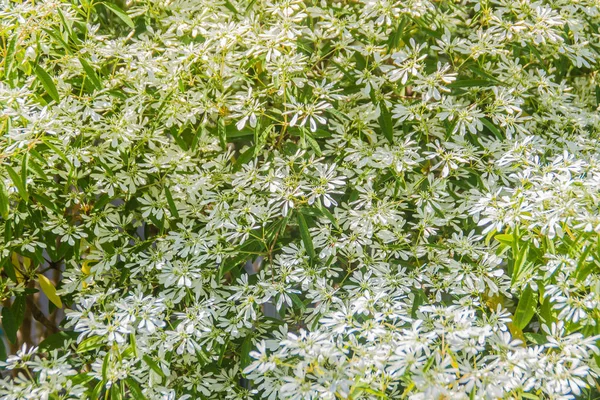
(300, 199)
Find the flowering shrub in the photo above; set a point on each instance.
(363, 199)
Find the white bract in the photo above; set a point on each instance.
(301, 199)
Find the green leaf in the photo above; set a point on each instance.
(171, 203)
(115, 392)
(153, 365)
(9, 324)
(91, 343)
(55, 34)
(305, 235)
(119, 13)
(419, 299)
(466, 83)
(105, 366)
(21, 188)
(489, 236)
(134, 389)
(47, 83)
(10, 56)
(329, 215)
(492, 128)
(535, 338)
(3, 354)
(222, 132)
(313, 143)
(366, 389)
(45, 201)
(57, 340)
(98, 390)
(57, 151)
(33, 166)
(18, 309)
(24, 167)
(395, 38)
(49, 290)
(386, 123)
(526, 308)
(4, 202)
(245, 359)
(520, 266)
(297, 302)
(244, 158)
(9, 269)
(584, 268)
(82, 379)
(91, 74)
(133, 345)
(504, 238)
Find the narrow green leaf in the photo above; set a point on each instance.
(98, 390)
(395, 38)
(172, 206)
(504, 238)
(584, 268)
(153, 365)
(57, 340)
(91, 74)
(57, 151)
(222, 132)
(105, 366)
(418, 300)
(9, 324)
(24, 170)
(35, 167)
(115, 392)
(45, 201)
(467, 83)
(305, 235)
(231, 7)
(47, 83)
(535, 338)
(119, 13)
(313, 143)
(526, 308)
(4, 202)
(134, 389)
(9, 269)
(386, 123)
(133, 345)
(489, 236)
(82, 379)
(244, 158)
(520, 265)
(90, 343)
(297, 302)
(10, 56)
(3, 354)
(18, 183)
(18, 309)
(492, 128)
(55, 34)
(66, 23)
(245, 359)
(329, 215)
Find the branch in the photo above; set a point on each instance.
(39, 316)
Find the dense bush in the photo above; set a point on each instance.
(293, 199)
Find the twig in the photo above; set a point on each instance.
(39, 316)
